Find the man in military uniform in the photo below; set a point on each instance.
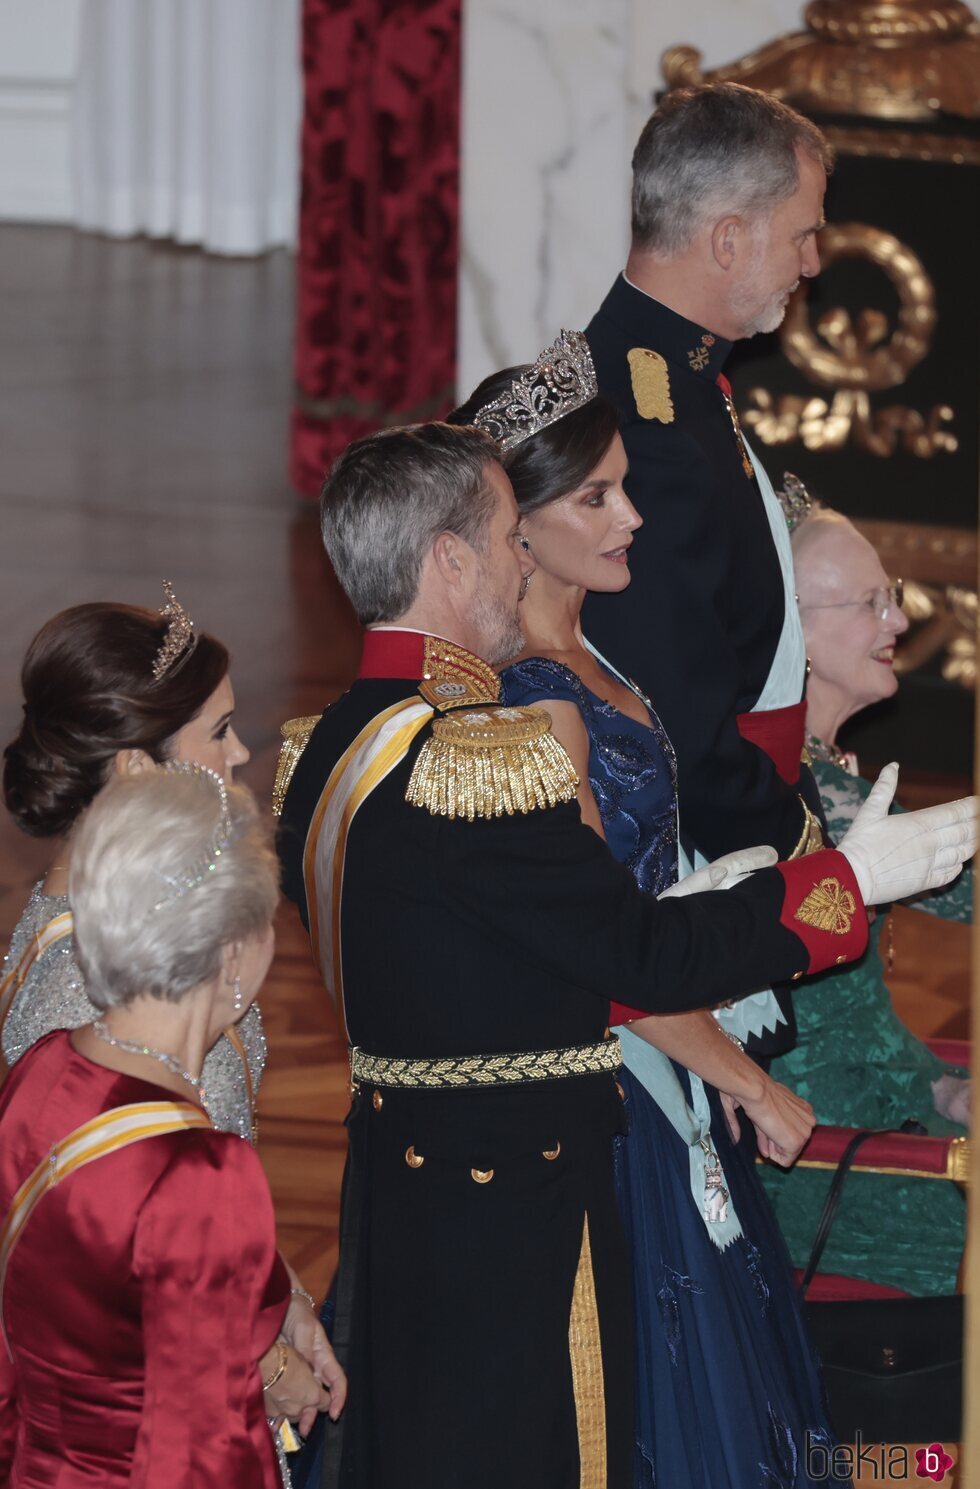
(470, 929)
(728, 188)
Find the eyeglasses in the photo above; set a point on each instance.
(879, 602)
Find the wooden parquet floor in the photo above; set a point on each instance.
(144, 403)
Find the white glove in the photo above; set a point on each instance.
(723, 872)
(893, 857)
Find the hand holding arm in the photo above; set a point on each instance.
(296, 1393)
(303, 1330)
(723, 872)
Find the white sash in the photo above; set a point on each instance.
(381, 744)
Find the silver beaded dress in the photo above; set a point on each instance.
(52, 996)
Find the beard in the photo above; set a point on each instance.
(756, 307)
(496, 622)
(758, 313)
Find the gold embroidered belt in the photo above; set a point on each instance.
(487, 1070)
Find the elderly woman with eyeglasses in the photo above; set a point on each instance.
(145, 1309)
(855, 1061)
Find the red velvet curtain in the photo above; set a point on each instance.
(376, 302)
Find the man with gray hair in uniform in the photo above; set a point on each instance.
(728, 188)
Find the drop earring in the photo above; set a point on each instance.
(237, 1000)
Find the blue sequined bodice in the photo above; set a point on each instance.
(632, 770)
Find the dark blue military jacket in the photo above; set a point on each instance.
(698, 627)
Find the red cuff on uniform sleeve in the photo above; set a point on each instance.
(824, 909)
(621, 1013)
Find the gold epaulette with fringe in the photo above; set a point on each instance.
(295, 737)
(491, 762)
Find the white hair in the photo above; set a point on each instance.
(140, 836)
(820, 522)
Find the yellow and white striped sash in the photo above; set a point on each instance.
(375, 752)
(107, 1133)
(55, 930)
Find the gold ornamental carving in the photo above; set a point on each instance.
(883, 59)
(849, 419)
(856, 356)
(890, 144)
(859, 355)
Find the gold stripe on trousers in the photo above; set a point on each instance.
(588, 1385)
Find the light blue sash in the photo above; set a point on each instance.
(759, 1011)
(784, 687)
(657, 1076)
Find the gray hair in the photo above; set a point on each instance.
(711, 151)
(139, 835)
(388, 498)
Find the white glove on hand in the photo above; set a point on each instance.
(723, 872)
(893, 857)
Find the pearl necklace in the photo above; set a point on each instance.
(131, 1047)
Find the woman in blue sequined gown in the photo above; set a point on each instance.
(727, 1383)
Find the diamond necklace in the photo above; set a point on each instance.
(131, 1047)
(831, 753)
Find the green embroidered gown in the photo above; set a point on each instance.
(859, 1066)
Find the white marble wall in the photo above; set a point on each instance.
(554, 94)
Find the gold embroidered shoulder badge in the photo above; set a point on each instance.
(828, 907)
(491, 762)
(651, 384)
(295, 737)
(454, 678)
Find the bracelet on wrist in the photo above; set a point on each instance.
(300, 1292)
(282, 1360)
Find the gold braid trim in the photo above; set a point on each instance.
(295, 737)
(588, 1382)
(487, 1070)
(811, 838)
(487, 762)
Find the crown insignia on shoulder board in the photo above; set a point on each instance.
(453, 677)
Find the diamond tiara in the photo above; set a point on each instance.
(199, 872)
(179, 638)
(561, 380)
(795, 500)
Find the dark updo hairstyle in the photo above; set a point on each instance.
(555, 461)
(89, 691)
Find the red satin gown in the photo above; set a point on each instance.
(139, 1297)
